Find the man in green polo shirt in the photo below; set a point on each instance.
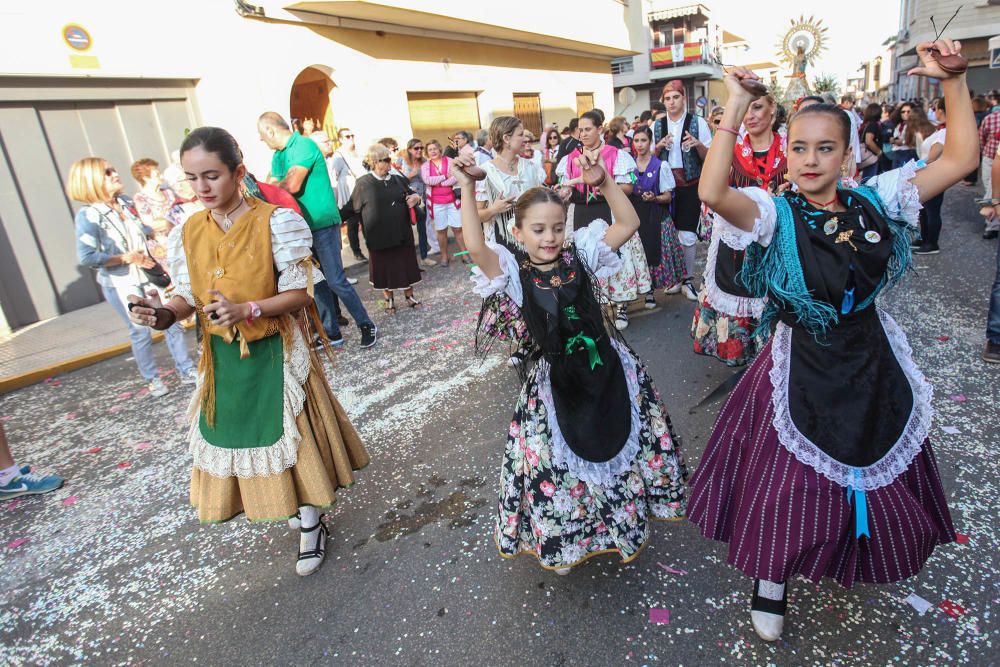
(299, 168)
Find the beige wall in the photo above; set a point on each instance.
(246, 66)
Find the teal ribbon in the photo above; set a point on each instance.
(860, 508)
(588, 342)
(632, 177)
(570, 313)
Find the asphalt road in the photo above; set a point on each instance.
(115, 568)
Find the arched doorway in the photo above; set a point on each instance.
(310, 98)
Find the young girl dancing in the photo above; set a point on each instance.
(591, 456)
(819, 464)
(268, 439)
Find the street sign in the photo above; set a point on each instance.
(995, 58)
(76, 37)
(701, 102)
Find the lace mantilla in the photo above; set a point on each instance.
(260, 461)
(603, 473)
(724, 302)
(884, 471)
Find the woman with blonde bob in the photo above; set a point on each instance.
(111, 239)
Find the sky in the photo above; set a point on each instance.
(855, 28)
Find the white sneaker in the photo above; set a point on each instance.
(427, 262)
(650, 302)
(687, 289)
(562, 571)
(157, 388)
(352, 281)
(621, 318)
(676, 289)
(191, 377)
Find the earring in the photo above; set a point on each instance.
(843, 170)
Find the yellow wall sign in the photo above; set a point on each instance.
(76, 37)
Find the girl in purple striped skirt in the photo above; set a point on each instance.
(819, 464)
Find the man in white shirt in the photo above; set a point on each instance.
(484, 147)
(682, 140)
(347, 167)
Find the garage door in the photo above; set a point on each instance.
(440, 115)
(45, 126)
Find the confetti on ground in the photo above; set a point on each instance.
(71, 415)
(950, 430)
(918, 603)
(124, 464)
(125, 394)
(951, 608)
(94, 450)
(143, 445)
(944, 339)
(659, 616)
(69, 501)
(16, 543)
(958, 398)
(961, 539)
(13, 505)
(671, 570)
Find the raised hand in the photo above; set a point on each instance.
(737, 81)
(463, 169)
(939, 60)
(591, 168)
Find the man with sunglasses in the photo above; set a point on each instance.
(347, 168)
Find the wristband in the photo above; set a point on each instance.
(254, 311)
(727, 129)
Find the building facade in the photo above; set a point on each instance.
(671, 42)
(80, 79)
(975, 23)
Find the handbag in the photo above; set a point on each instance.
(155, 275)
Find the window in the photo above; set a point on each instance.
(440, 115)
(622, 66)
(584, 103)
(528, 108)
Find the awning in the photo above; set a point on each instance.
(678, 12)
(390, 15)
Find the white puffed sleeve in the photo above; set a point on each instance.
(562, 166)
(481, 193)
(624, 167)
(291, 244)
(177, 266)
(763, 224)
(508, 281)
(899, 195)
(667, 180)
(598, 255)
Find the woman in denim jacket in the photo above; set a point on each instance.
(111, 239)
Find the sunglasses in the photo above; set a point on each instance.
(418, 148)
(387, 160)
(110, 171)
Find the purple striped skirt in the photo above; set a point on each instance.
(781, 518)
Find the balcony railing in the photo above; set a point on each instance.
(676, 55)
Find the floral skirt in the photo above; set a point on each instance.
(731, 340)
(633, 278)
(328, 454)
(670, 271)
(544, 510)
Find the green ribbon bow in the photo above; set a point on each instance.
(588, 342)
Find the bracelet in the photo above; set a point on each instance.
(727, 129)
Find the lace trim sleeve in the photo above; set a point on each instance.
(508, 281)
(899, 195)
(763, 224)
(296, 276)
(598, 255)
(177, 266)
(291, 239)
(624, 166)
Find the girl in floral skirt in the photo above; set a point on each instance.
(591, 456)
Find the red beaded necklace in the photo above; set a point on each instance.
(821, 204)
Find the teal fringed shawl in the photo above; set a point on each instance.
(776, 271)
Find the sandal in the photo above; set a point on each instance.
(309, 561)
(766, 613)
(411, 301)
(390, 305)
